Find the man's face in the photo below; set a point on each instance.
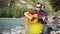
(38, 7)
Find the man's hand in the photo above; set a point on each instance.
(43, 18)
(30, 18)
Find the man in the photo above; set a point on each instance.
(41, 14)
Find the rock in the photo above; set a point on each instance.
(6, 32)
(18, 4)
(22, 1)
(13, 31)
(29, 6)
(19, 30)
(58, 16)
(50, 18)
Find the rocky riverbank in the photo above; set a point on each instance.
(53, 22)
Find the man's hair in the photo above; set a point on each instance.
(38, 3)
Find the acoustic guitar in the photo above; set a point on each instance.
(34, 20)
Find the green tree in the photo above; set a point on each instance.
(3, 3)
(55, 4)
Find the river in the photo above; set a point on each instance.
(8, 23)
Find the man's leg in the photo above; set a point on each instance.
(45, 30)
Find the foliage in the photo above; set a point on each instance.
(13, 11)
(55, 4)
(48, 11)
(3, 3)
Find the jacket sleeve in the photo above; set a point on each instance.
(46, 18)
(30, 12)
(46, 15)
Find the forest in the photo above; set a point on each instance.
(16, 8)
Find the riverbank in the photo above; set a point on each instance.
(17, 25)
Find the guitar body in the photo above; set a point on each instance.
(27, 21)
(34, 20)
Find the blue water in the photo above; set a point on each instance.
(8, 23)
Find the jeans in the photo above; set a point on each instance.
(45, 30)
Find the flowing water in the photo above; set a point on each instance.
(9, 23)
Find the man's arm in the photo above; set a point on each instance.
(45, 16)
(26, 14)
(27, 17)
